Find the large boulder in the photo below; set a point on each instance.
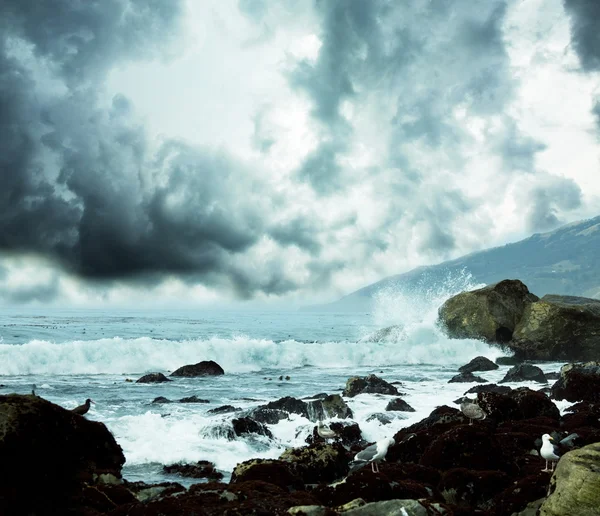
(49, 455)
(575, 487)
(371, 384)
(559, 328)
(204, 368)
(524, 373)
(490, 313)
(578, 382)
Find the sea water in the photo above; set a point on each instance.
(71, 355)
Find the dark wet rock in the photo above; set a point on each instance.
(349, 433)
(559, 328)
(223, 409)
(193, 399)
(371, 384)
(319, 462)
(204, 368)
(202, 469)
(247, 425)
(161, 399)
(215, 498)
(509, 361)
(334, 406)
(524, 372)
(498, 407)
(534, 404)
(399, 405)
(144, 492)
(290, 405)
(575, 486)
(267, 415)
(382, 418)
(490, 313)
(365, 484)
(490, 387)
(49, 454)
(478, 364)
(578, 382)
(153, 378)
(276, 472)
(552, 376)
(471, 447)
(468, 488)
(467, 378)
(522, 492)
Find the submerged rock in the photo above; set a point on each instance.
(578, 382)
(204, 368)
(193, 399)
(490, 313)
(153, 378)
(371, 384)
(524, 372)
(466, 378)
(223, 409)
(575, 486)
(559, 328)
(399, 405)
(246, 425)
(161, 399)
(478, 364)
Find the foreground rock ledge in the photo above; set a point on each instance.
(575, 487)
(49, 454)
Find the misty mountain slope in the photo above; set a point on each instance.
(563, 261)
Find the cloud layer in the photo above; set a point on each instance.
(366, 137)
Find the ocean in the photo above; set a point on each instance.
(71, 355)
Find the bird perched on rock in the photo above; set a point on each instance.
(82, 409)
(374, 454)
(472, 411)
(325, 432)
(551, 452)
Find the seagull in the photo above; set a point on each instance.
(374, 453)
(551, 452)
(472, 411)
(325, 432)
(82, 409)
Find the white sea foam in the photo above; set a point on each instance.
(236, 355)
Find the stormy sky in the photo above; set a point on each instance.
(206, 151)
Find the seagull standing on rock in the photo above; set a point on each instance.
(374, 453)
(551, 452)
(472, 411)
(325, 432)
(82, 409)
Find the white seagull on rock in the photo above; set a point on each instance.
(325, 432)
(374, 453)
(552, 452)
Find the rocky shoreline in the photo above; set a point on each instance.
(440, 465)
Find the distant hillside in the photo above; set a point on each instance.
(563, 261)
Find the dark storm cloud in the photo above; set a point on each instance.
(585, 31)
(546, 201)
(79, 184)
